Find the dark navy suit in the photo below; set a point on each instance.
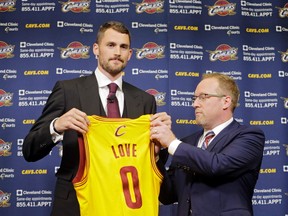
(81, 93)
(219, 180)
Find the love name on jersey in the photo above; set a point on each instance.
(124, 150)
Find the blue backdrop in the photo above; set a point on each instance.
(174, 42)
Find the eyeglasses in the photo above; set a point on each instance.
(203, 96)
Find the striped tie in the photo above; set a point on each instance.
(208, 137)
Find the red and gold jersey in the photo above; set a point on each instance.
(118, 174)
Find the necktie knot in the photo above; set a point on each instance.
(112, 87)
(207, 139)
(112, 92)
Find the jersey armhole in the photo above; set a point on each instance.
(153, 161)
(82, 168)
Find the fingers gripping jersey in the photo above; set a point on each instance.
(118, 174)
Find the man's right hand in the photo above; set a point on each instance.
(74, 119)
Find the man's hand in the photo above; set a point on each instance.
(160, 129)
(74, 119)
(162, 117)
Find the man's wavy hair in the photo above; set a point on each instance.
(117, 26)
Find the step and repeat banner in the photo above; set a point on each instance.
(174, 42)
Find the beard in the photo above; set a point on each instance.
(200, 120)
(111, 68)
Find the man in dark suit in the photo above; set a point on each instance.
(215, 177)
(64, 116)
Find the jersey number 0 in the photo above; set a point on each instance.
(130, 184)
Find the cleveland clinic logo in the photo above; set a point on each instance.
(76, 6)
(150, 51)
(75, 50)
(7, 6)
(223, 52)
(222, 8)
(150, 6)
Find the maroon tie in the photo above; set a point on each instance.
(112, 102)
(207, 139)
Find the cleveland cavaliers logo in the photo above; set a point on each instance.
(4, 199)
(5, 148)
(60, 150)
(223, 53)
(286, 149)
(7, 6)
(5, 98)
(150, 6)
(76, 6)
(159, 96)
(75, 50)
(284, 56)
(6, 50)
(285, 102)
(120, 131)
(222, 8)
(283, 12)
(150, 51)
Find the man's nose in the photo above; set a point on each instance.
(195, 103)
(117, 50)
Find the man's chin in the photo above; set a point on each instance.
(198, 121)
(115, 71)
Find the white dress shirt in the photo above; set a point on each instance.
(103, 83)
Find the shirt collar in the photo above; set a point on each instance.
(103, 80)
(220, 127)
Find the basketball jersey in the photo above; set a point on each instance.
(117, 173)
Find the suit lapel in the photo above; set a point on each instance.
(89, 95)
(132, 102)
(225, 132)
(193, 139)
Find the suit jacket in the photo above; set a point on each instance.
(219, 180)
(81, 93)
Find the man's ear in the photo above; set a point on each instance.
(96, 50)
(130, 54)
(227, 102)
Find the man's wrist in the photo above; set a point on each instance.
(56, 136)
(173, 146)
(54, 127)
